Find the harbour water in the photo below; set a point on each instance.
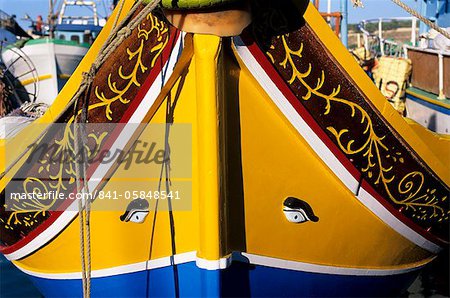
(434, 279)
(14, 283)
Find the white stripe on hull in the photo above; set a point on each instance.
(235, 257)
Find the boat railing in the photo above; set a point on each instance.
(385, 45)
(66, 19)
(329, 16)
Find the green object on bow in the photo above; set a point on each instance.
(191, 4)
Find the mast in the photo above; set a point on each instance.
(50, 17)
(329, 10)
(344, 23)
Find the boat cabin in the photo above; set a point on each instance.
(81, 34)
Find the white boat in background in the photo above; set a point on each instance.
(10, 33)
(54, 61)
(42, 66)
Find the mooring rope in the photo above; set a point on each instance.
(85, 202)
(78, 172)
(119, 12)
(114, 40)
(118, 34)
(413, 12)
(422, 18)
(89, 198)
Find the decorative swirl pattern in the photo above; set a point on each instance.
(38, 202)
(160, 28)
(424, 203)
(411, 186)
(37, 199)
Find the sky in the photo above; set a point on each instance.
(40, 7)
(372, 9)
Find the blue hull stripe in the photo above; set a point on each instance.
(427, 104)
(240, 279)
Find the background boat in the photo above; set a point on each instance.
(37, 69)
(426, 91)
(54, 57)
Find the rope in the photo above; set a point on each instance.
(115, 38)
(80, 138)
(77, 143)
(411, 11)
(85, 157)
(422, 18)
(180, 70)
(119, 12)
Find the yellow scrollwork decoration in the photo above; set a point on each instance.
(36, 198)
(160, 28)
(424, 203)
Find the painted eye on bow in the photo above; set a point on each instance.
(295, 216)
(138, 216)
(298, 211)
(137, 211)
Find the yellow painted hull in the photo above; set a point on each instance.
(247, 156)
